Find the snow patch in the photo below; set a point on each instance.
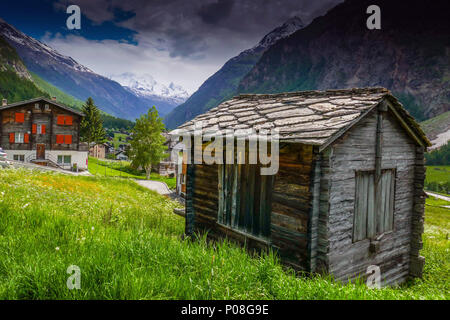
(146, 86)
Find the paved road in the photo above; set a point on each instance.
(439, 196)
(157, 186)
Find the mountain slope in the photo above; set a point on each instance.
(15, 81)
(410, 55)
(437, 129)
(224, 83)
(74, 79)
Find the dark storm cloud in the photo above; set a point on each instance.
(191, 29)
(212, 13)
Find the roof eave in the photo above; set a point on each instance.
(412, 128)
(63, 106)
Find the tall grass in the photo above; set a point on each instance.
(122, 169)
(128, 245)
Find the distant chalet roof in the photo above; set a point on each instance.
(56, 103)
(308, 117)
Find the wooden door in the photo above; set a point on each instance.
(40, 151)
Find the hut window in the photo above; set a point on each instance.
(374, 205)
(245, 198)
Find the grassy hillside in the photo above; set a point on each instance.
(14, 84)
(15, 88)
(53, 91)
(436, 125)
(127, 243)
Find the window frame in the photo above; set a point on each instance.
(19, 137)
(375, 206)
(238, 221)
(19, 157)
(63, 159)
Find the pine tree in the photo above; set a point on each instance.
(147, 144)
(91, 128)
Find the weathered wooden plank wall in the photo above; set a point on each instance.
(291, 205)
(417, 220)
(321, 259)
(353, 152)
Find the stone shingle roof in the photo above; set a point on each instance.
(309, 117)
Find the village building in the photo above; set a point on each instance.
(180, 168)
(42, 131)
(166, 167)
(348, 193)
(99, 150)
(120, 155)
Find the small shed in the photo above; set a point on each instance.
(348, 193)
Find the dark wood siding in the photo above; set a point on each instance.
(291, 204)
(41, 116)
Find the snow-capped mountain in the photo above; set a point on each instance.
(146, 86)
(283, 31)
(79, 81)
(17, 37)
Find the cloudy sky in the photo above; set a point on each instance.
(180, 41)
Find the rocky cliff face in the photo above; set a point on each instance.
(15, 81)
(410, 55)
(9, 60)
(224, 83)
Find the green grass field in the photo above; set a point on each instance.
(122, 169)
(438, 179)
(127, 243)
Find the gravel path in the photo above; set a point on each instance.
(439, 196)
(157, 186)
(17, 164)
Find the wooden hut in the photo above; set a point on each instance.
(348, 193)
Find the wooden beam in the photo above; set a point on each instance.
(313, 220)
(343, 130)
(405, 125)
(378, 147)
